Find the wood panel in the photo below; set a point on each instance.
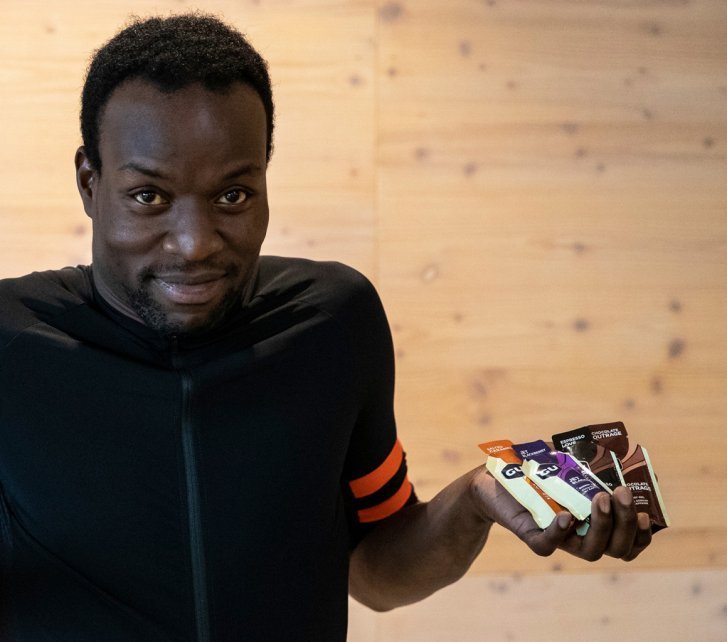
(660, 605)
(553, 239)
(537, 188)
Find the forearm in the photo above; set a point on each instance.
(420, 550)
(430, 545)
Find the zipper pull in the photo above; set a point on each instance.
(174, 351)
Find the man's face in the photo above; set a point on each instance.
(180, 209)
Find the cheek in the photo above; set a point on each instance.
(260, 232)
(121, 231)
(261, 226)
(248, 235)
(120, 234)
(120, 250)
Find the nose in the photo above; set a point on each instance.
(193, 233)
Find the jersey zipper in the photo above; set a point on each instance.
(194, 517)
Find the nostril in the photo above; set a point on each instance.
(194, 237)
(198, 245)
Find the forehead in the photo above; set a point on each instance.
(140, 120)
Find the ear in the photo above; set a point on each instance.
(87, 181)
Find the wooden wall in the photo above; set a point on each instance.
(539, 190)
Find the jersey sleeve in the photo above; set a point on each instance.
(376, 483)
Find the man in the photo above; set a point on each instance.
(196, 442)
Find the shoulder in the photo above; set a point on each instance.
(70, 285)
(338, 291)
(39, 296)
(330, 285)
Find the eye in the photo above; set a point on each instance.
(232, 197)
(148, 197)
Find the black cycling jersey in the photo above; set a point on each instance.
(164, 488)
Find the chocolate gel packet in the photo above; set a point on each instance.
(505, 466)
(601, 461)
(636, 469)
(561, 476)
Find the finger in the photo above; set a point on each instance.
(625, 523)
(545, 542)
(643, 536)
(595, 542)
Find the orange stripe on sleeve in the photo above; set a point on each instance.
(379, 476)
(388, 507)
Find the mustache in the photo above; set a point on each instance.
(151, 271)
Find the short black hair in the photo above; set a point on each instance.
(172, 53)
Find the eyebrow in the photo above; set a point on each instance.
(245, 169)
(140, 169)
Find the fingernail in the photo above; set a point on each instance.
(643, 521)
(624, 498)
(564, 520)
(604, 503)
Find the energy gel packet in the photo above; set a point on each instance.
(601, 461)
(636, 469)
(505, 466)
(561, 476)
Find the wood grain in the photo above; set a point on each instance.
(537, 187)
(659, 605)
(553, 240)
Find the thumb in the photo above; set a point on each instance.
(545, 542)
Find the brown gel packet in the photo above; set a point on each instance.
(601, 461)
(636, 469)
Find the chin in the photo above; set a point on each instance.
(169, 318)
(172, 322)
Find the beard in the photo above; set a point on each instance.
(157, 317)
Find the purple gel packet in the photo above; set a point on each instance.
(561, 476)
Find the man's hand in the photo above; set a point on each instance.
(616, 528)
(429, 545)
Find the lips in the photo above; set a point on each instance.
(191, 289)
